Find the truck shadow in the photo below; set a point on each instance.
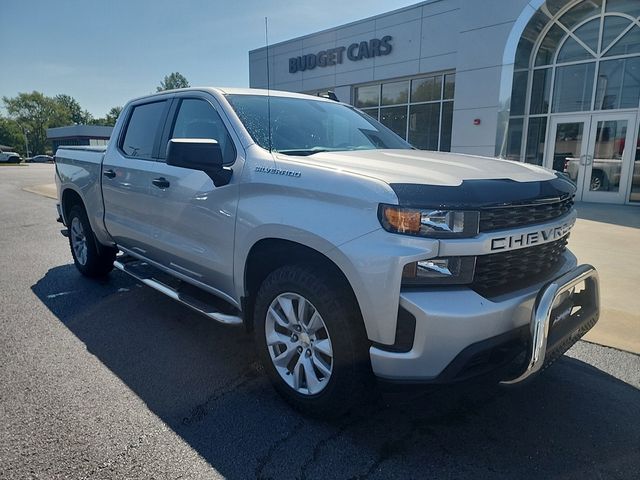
(203, 381)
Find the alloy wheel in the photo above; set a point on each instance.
(299, 343)
(78, 241)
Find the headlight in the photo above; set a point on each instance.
(429, 222)
(439, 271)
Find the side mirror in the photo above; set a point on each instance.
(199, 154)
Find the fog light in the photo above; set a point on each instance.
(446, 270)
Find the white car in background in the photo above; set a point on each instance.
(9, 157)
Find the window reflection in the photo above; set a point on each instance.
(567, 148)
(573, 88)
(419, 110)
(618, 84)
(635, 179)
(607, 156)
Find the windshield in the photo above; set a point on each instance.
(304, 127)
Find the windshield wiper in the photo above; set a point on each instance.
(305, 152)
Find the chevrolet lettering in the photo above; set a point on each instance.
(512, 242)
(349, 256)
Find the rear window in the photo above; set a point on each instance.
(142, 129)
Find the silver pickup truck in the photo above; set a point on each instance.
(350, 255)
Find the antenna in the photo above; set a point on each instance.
(266, 39)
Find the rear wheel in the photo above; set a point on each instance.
(311, 341)
(90, 259)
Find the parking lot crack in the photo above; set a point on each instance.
(265, 459)
(200, 411)
(343, 427)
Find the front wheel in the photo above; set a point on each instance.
(311, 340)
(89, 258)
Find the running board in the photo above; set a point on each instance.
(183, 292)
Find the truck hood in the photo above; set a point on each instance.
(424, 167)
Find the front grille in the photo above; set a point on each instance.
(499, 273)
(517, 216)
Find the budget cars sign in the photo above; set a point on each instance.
(376, 47)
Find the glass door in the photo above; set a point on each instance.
(609, 154)
(596, 152)
(566, 150)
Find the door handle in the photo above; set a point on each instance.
(109, 173)
(583, 159)
(161, 182)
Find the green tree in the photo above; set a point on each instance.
(12, 135)
(36, 112)
(173, 80)
(110, 119)
(113, 115)
(77, 114)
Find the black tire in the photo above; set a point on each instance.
(351, 377)
(98, 261)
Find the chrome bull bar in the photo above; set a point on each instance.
(575, 325)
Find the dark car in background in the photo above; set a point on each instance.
(40, 159)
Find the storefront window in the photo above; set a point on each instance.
(426, 89)
(514, 139)
(573, 88)
(395, 93)
(635, 178)
(540, 91)
(519, 93)
(549, 46)
(395, 118)
(618, 84)
(368, 96)
(449, 86)
(585, 58)
(535, 140)
(630, 7)
(423, 126)
(371, 111)
(628, 44)
(447, 123)
(419, 110)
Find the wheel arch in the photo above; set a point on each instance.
(68, 199)
(268, 254)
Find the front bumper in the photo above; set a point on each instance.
(553, 330)
(457, 329)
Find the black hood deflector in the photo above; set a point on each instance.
(474, 194)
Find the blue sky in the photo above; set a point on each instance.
(105, 52)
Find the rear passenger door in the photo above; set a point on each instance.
(197, 219)
(127, 175)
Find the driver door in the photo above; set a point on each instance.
(196, 219)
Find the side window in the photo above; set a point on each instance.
(142, 129)
(198, 119)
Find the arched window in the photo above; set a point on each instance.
(577, 56)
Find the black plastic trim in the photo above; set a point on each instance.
(405, 333)
(462, 368)
(465, 366)
(475, 194)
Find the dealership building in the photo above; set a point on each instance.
(553, 83)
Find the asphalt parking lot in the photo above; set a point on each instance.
(111, 379)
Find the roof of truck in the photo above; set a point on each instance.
(240, 91)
